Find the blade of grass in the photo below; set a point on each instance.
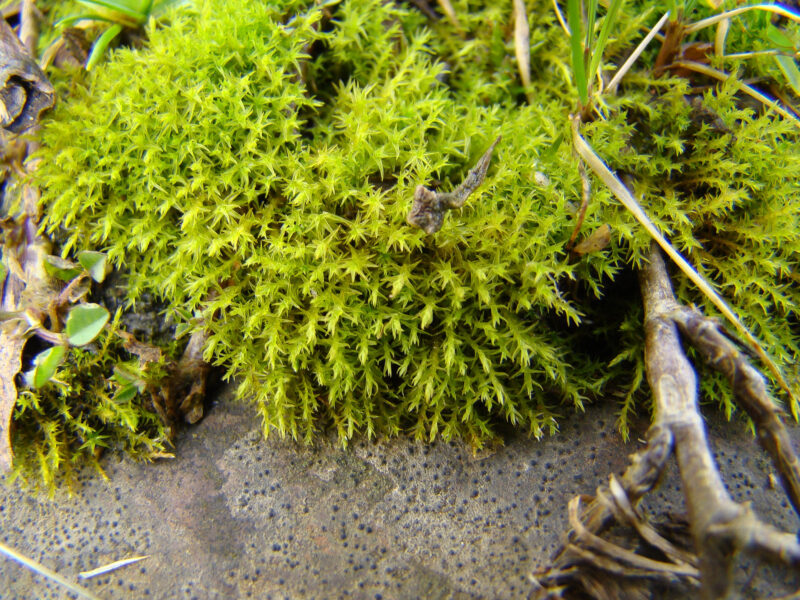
(749, 90)
(576, 46)
(773, 8)
(721, 36)
(599, 47)
(591, 18)
(101, 44)
(45, 572)
(522, 42)
(560, 17)
(597, 165)
(110, 567)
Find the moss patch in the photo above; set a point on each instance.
(256, 165)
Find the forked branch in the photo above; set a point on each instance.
(720, 527)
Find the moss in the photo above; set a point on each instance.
(82, 412)
(257, 167)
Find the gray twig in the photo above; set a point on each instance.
(427, 211)
(720, 527)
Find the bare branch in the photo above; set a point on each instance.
(750, 391)
(720, 527)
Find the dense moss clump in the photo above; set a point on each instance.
(65, 425)
(255, 165)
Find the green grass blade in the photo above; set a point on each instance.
(591, 18)
(120, 10)
(101, 44)
(602, 39)
(575, 23)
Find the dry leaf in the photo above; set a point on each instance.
(595, 242)
(24, 89)
(147, 353)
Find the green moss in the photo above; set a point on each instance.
(83, 411)
(258, 168)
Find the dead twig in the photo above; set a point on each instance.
(427, 211)
(720, 527)
(748, 385)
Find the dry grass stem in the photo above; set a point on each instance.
(773, 8)
(522, 42)
(612, 85)
(110, 567)
(749, 90)
(45, 572)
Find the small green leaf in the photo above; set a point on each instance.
(94, 263)
(183, 313)
(45, 365)
(126, 393)
(101, 44)
(786, 63)
(60, 268)
(85, 322)
(181, 329)
(3, 272)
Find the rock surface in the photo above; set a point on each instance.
(234, 516)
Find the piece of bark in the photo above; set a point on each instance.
(11, 344)
(25, 91)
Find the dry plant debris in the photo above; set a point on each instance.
(429, 207)
(721, 528)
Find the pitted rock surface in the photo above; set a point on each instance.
(236, 516)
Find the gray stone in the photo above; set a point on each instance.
(235, 516)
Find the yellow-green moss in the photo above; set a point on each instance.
(256, 164)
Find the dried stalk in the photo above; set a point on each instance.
(750, 391)
(720, 527)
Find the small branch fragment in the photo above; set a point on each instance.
(11, 345)
(427, 211)
(750, 391)
(721, 528)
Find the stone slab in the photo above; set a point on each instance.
(235, 516)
